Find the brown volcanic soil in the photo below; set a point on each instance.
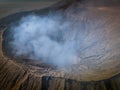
(7, 8)
(99, 59)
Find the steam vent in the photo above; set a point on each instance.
(68, 45)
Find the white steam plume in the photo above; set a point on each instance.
(50, 39)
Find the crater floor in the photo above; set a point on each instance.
(99, 58)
